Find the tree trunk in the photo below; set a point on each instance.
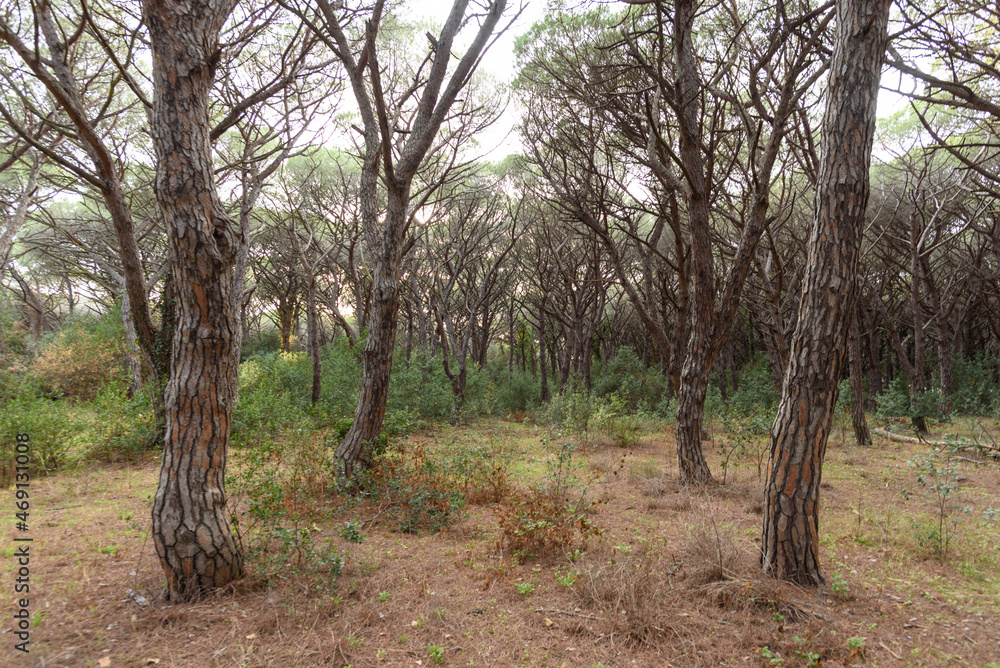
(541, 356)
(355, 450)
(875, 363)
(790, 540)
(919, 384)
(861, 434)
(133, 356)
(190, 529)
(312, 327)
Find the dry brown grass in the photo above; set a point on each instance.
(684, 605)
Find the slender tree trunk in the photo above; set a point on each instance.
(355, 449)
(875, 363)
(312, 327)
(190, 530)
(919, 384)
(133, 356)
(861, 434)
(542, 350)
(790, 540)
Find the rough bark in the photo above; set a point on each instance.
(190, 530)
(790, 540)
(697, 355)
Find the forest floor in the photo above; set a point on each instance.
(668, 575)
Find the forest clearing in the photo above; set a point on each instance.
(499, 333)
(663, 575)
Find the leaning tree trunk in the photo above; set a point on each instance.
(790, 541)
(355, 449)
(861, 434)
(190, 531)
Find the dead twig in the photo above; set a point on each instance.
(571, 614)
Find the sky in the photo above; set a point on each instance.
(501, 139)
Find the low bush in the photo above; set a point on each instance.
(50, 425)
(124, 428)
(277, 493)
(415, 489)
(77, 363)
(550, 517)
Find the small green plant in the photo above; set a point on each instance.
(436, 653)
(838, 585)
(771, 657)
(938, 480)
(567, 579)
(524, 588)
(857, 647)
(384, 596)
(352, 532)
(353, 641)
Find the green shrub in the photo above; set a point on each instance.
(756, 391)
(50, 426)
(276, 503)
(976, 391)
(419, 488)
(77, 363)
(552, 516)
(612, 418)
(124, 428)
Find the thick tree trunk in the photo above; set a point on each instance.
(790, 540)
(190, 529)
(861, 434)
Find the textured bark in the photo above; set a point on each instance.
(790, 540)
(132, 353)
(190, 530)
(861, 434)
(875, 362)
(698, 354)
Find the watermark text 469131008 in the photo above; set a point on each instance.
(22, 543)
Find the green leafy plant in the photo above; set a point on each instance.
(352, 532)
(938, 480)
(524, 588)
(436, 653)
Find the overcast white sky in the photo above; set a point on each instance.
(501, 140)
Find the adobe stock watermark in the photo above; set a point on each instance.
(22, 543)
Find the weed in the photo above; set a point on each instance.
(384, 596)
(567, 579)
(838, 585)
(436, 653)
(524, 588)
(938, 478)
(352, 532)
(857, 647)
